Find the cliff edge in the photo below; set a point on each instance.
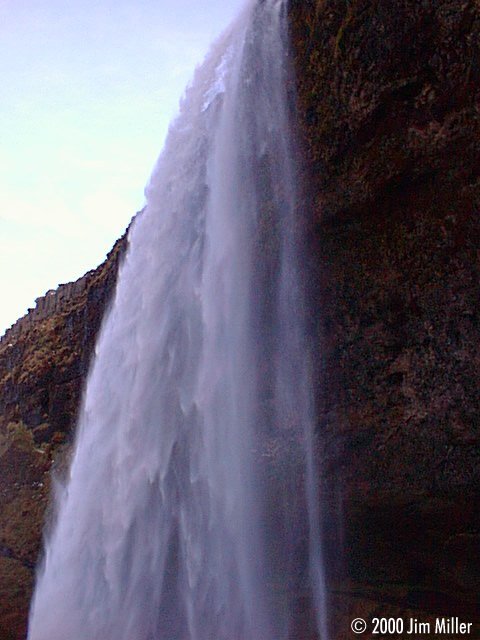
(44, 359)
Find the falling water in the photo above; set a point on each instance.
(192, 482)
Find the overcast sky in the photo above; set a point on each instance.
(87, 91)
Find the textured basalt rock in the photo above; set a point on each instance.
(389, 119)
(44, 360)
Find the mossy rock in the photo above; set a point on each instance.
(16, 583)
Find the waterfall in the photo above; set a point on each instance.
(191, 502)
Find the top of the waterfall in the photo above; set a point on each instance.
(217, 88)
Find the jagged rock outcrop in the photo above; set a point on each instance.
(389, 127)
(44, 360)
(390, 123)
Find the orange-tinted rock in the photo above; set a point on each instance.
(43, 363)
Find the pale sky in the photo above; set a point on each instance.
(86, 94)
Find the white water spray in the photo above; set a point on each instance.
(181, 516)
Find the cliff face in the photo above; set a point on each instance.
(44, 360)
(390, 123)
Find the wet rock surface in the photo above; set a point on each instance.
(389, 119)
(44, 360)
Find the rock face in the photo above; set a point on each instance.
(389, 126)
(389, 120)
(44, 360)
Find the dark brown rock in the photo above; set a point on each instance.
(44, 358)
(389, 121)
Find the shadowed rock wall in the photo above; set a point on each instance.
(389, 120)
